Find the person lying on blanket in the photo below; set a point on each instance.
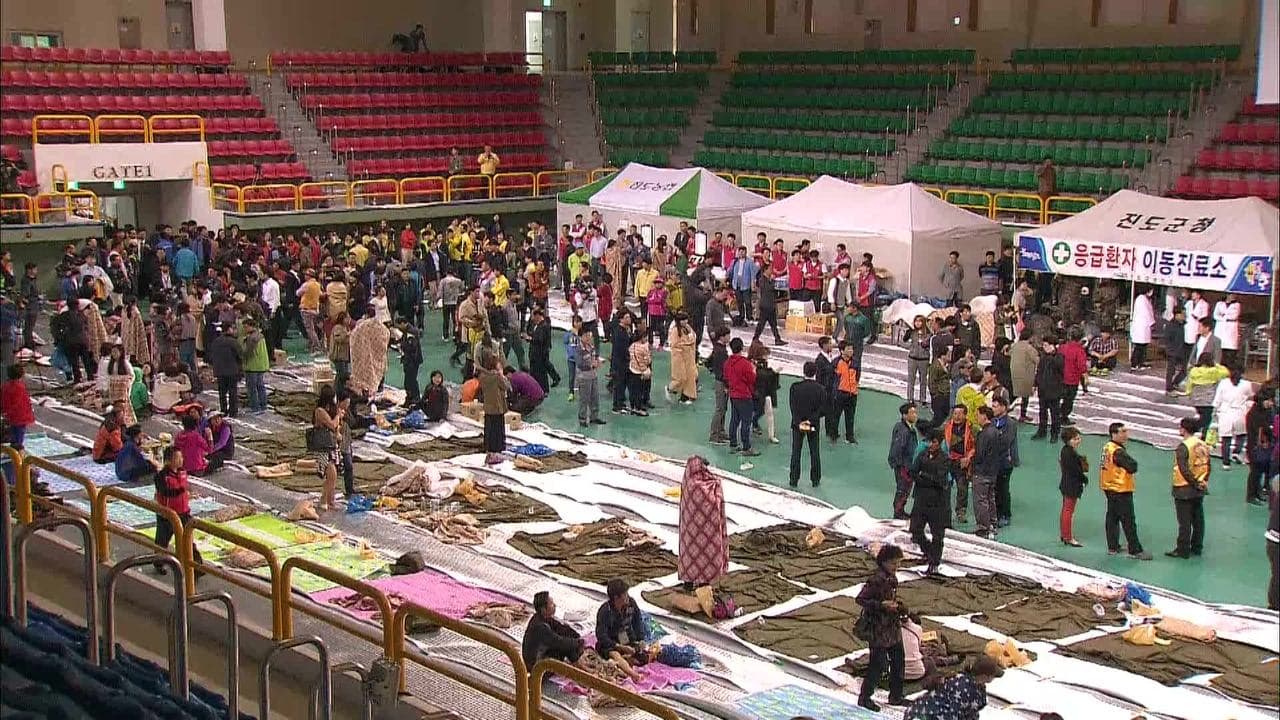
(620, 633)
(547, 637)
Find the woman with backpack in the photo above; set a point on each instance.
(880, 626)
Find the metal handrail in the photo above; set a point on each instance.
(362, 673)
(187, 555)
(487, 188)
(587, 680)
(477, 633)
(6, 538)
(285, 596)
(22, 489)
(179, 682)
(103, 526)
(26, 209)
(321, 692)
(231, 644)
(25, 533)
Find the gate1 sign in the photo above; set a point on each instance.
(108, 162)
(1223, 272)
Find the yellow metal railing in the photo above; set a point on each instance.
(551, 182)
(1017, 204)
(19, 205)
(477, 633)
(73, 128)
(287, 604)
(587, 680)
(601, 172)
(137, 126)
(383, 191)
(965, 200)
(186, 554)
(515, 184)
(1051, 211)
(781, 187)
(758, 184)
(936, 192)
(69, 203)
(312, 194)
(226, 197)
(277, 196)
(469, 187)
(423, 189)
(103, 528)
(154, 127)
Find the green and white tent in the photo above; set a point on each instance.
(639, 195)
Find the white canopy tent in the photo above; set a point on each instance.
(909, 231)
(642, 195)
(1220, 245)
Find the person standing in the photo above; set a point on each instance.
(640, 371)
(1073, 468)
(987, 464)
(742, 277)
(808, 402)
(620, 361)
(368, 342)
(684, 366)
(410, 361)
(540, 365)
(308, 294)
(767, 293)
(1075, 372)
(1206, 342)
(257, 362)
(224, 356)
(323, 443)
(1226, 327)
(1197, 309)
(1191, 465)
(740, 382)
(1023, 359)
(451, 292)
(704, 534)
(989, 274)
(1259, 446)
(1116, 478)
(855, 329)
(586, 371)
(1049, 389)
(1175, 350)
(845, 401)
(1046, 180)
(917, 341)
(1008, 428)
(1272, 536)
(1141, 322)
(958, 433)
(340, 352)
(929, 473)
(172, 492)
(839, 291)
(902, 449)
(717, 312)
(15, 405)
(715, 363)
(488, 161)
(881, 628)
(494, 387)
(952, 278)
(1230, 405)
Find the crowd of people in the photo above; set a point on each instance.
(154, 318)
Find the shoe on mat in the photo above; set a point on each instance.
(1144, 555)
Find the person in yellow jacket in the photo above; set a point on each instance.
(1191, 463)
(1116, 480)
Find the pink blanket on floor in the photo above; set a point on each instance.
(656, 676)
(430, 589)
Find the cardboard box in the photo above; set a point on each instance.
(514, 420)
(473, 410)
(820, 324)
(797, 323)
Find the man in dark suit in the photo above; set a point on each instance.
(809, 403)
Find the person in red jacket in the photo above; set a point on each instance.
(172, 492)
(740, 379)
(1075, 372)
(15, 405)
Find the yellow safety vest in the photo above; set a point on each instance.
(1112, 477)
(1198, 459)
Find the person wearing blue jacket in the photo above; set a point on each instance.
(132, 465)
(902, 452)
(742, 277)
(571, 351)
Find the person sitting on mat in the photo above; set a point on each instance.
(107, 443)
(222, 440)
(435, 401)
(132, 464)
(620, 633)
(547, 637)
(194, 446)
(960, 697)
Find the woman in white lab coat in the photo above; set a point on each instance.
(1141, 321)
(1231, 402)
(1226, 318)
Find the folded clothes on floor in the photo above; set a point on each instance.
(448, 527)
(499, 614)
(1244, 678)
(653, 676)
(578, 540)
(751, 590)
(634, 565)
(812, 633)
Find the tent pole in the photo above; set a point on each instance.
(1273, 330)
(1133, 297)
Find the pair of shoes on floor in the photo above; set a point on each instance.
(1072, 542)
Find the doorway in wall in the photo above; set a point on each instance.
(639, 31)
(545, 40)
(177, 15)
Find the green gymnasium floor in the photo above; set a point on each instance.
(1233, 568)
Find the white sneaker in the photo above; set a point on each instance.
(746, 466)
(773, 440)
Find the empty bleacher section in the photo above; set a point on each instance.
(399, 114)
(44, 674)
(1101, 115)
(113, 95)
(1242, 160)
(825, 112)
(642, 113)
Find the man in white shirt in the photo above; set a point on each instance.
(270, 293)
(1197, 310)
(1226, 326)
